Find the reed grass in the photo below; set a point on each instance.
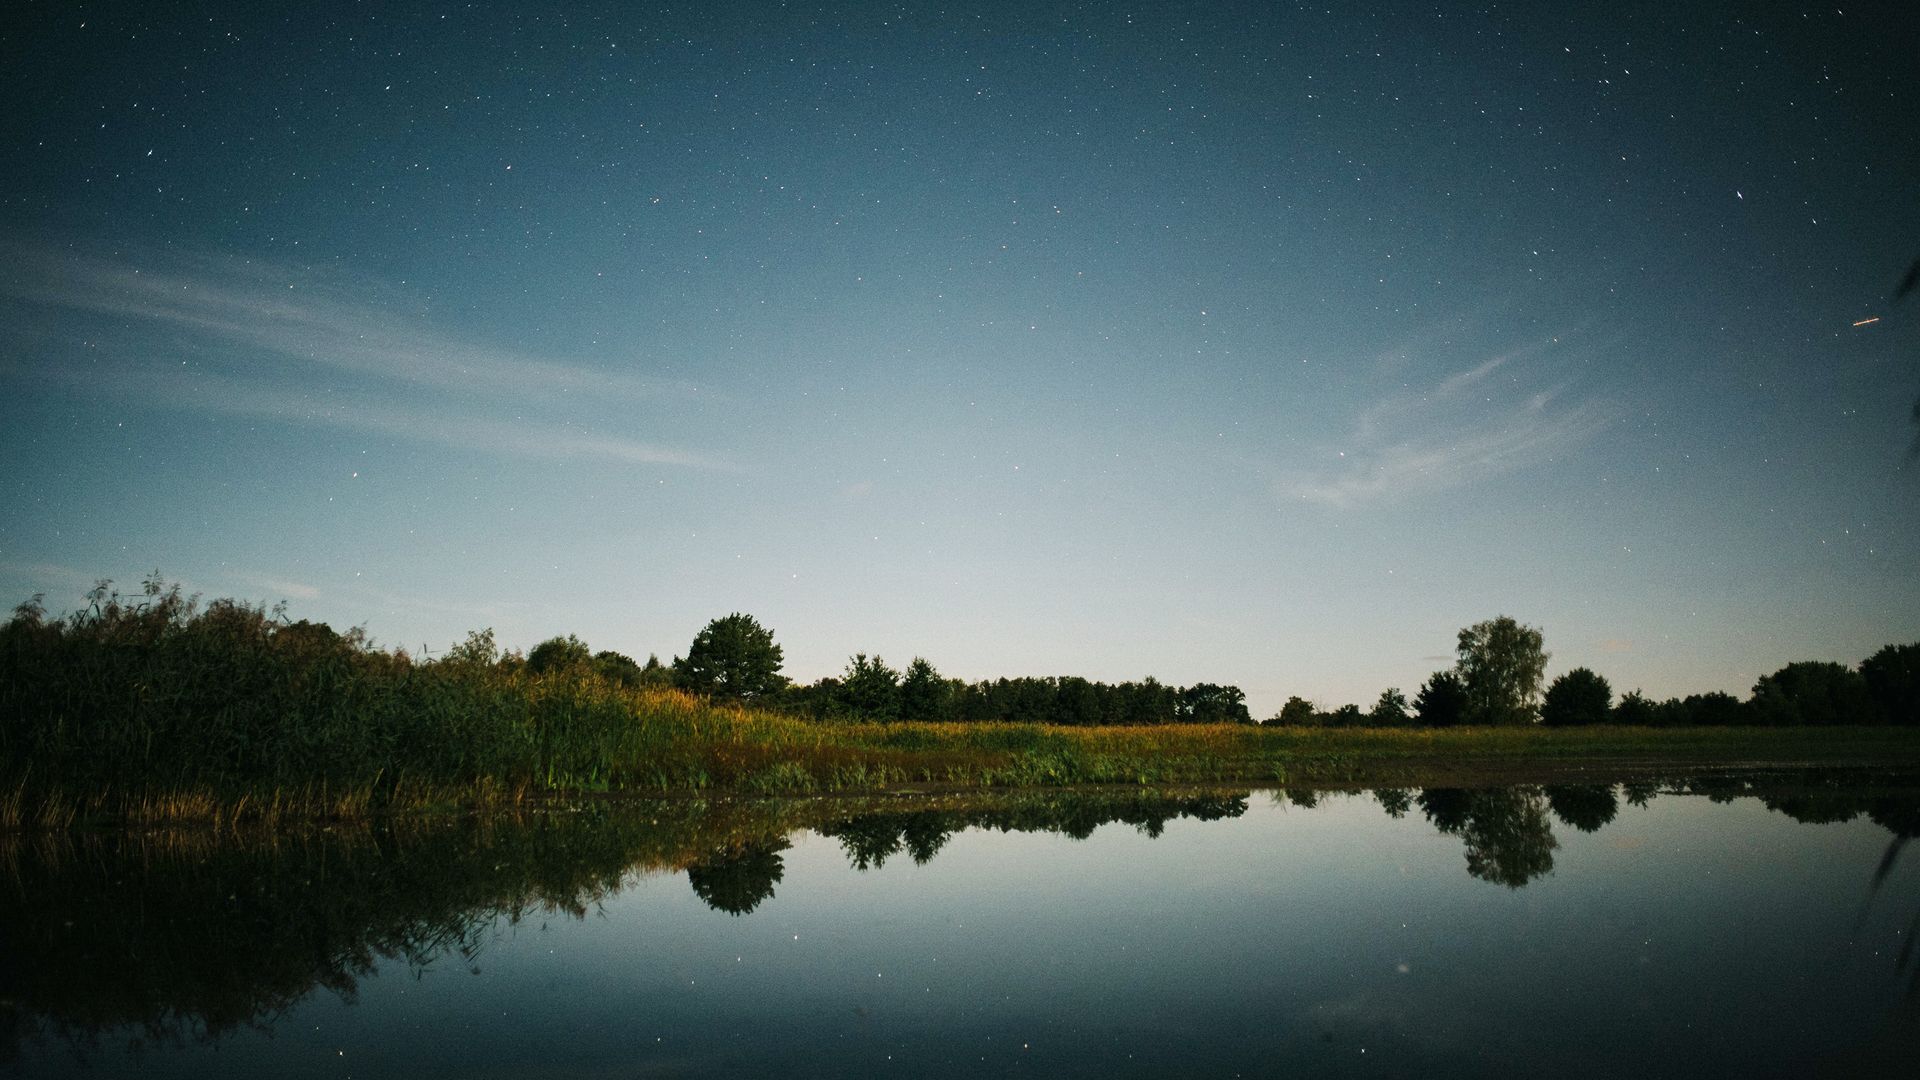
(153, 710)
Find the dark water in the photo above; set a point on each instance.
(1733, 926)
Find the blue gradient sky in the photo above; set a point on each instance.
(1243, 344)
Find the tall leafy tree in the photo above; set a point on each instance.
(557, 653)
(1442, 701)
(1893, 680)
(1501, 662)
(1578, 697)
(1206, 703)
(617, 667)
(871, 689)
(732, 658)
(1391, 710)
(1813, 692)
(1634, 709)
(924, 695)
(1297, 712)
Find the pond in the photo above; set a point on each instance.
(1729, 925)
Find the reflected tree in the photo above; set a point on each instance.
(739, 879)
(869, 841)
(1583, 806)
(1446, 808)
(924, 836)
(1509, 840)
(1508, 837)
(1395, 801)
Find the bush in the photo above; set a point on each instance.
(1578, 697)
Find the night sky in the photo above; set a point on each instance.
(1240, 343)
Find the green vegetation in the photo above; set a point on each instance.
(1578, 697)
(1501, 664)
(153, 708)
(1496, 681)
(732, 659)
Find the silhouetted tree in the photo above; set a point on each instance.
(1442, 702)
(655, 673)
(1297, 712)
(1077, 701)
(617, 668)
(924, 695)
(1813, 692)
(1501, 663)
(1206, 703)
(1345, 716)
(1715, 709)
(732, 657)
(1391, 710)
(1578, 697)
(871, 689)
(558, 653)
(1893, 681)
(478, 650)
(1634, 709)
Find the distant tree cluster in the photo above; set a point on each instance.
(1497, 680)
(871, 690)
(736, 659)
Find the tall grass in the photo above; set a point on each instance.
(154, 709)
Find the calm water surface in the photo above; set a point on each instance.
(1706, 927)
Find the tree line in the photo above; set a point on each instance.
(1498, 676)
(735, 658)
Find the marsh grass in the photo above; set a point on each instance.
(154, 710)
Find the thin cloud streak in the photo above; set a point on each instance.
(1450, 446)
(292, 589)
(202, 391)
(311, 330)
(284, 313)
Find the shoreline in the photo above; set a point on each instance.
(908, 761)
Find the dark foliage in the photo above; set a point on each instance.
(1442, 702)
(1578, 697)
(869, 690)
(732, 658)
(1893, 681)
(1813, 692)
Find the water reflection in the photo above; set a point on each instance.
(738, 879)
(178, 938)
(1508, 838)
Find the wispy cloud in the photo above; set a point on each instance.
(525, 437)
(320, 354)
(299, 318)
(278, 586)
(1463, 428)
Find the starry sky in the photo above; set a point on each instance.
(1254, 344)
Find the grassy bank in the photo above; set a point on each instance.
(677, 745)
(151, 710)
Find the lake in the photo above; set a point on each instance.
(1736, 924)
